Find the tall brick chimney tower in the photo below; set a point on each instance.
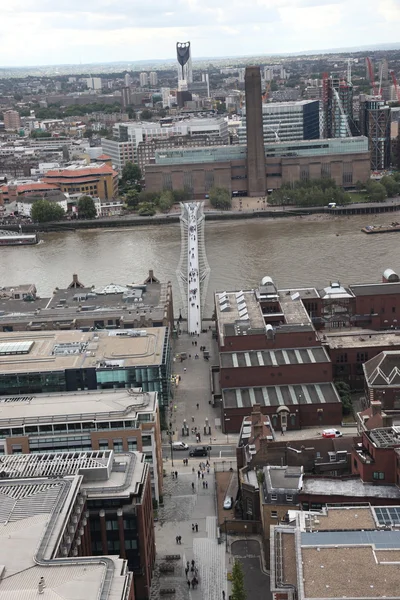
(256, 178)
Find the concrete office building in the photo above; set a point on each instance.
(184, 58)
(135, 306)
(45, 551)
(99, 504)
(119, 420)
(255, 162)
(70, 361)
(286, 121)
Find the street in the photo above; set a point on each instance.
(217, 451)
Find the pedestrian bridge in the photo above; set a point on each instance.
(193, 271)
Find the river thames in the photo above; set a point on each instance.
(293, 251)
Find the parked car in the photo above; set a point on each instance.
(331, 433)
(179, 446)
(198, 451)
(228, 502)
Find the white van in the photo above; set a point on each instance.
(332, 205)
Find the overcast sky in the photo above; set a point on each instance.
(36, 32)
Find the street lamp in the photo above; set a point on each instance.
(172, 448)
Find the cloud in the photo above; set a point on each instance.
(69, 31)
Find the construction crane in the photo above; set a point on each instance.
(395, 85)
(371, 75)
(266, 93)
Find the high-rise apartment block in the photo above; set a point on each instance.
(375, 124)
(12, 120)
(153, 79)
(256, 173)
(144, 79)
(94, 83)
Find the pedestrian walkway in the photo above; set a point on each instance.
(182, 509)
(193, 282)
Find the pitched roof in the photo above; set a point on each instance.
(85, 171)
(383, 370)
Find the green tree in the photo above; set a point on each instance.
(150, 197)
(44, 211)
(220, 198)
(344, 391)
(146, 209)
(238, 590)
(181, 196)
(131, 173)
(376, 191)
(86, 208)
(391, 186)
(165, 201)
(132, 199)
(88, 133)
(146, 114)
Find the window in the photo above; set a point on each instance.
(342, 358)
(103, 444)
(362, 357)
(274, 497)
(274, 514)
(378, 475)
(130, 544)
(118, 446)
(112, 525)
(289, 497)
(132, 444)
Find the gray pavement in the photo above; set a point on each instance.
(248, 552)
(195, 388)
(182, 508)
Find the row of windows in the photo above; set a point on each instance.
(361, 357)
(32, 430)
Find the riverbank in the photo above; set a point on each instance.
(260, 211)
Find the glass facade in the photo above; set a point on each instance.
(32, 383)
(316, 147)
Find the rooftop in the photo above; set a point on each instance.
(385, 437)
(353, 488)
(283, 478)
(383, 370)
(360, 338)
(239, 313)
(34, 515)
(337, 519)
(280, 395)
(98, 405)
(375, 289)
(27, 352)
(274, 358)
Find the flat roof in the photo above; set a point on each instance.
(360, 338)
(283, 478)
(98, 405)
(28, 509)
(375, 289)
(336, 519)
(239, 313)
(61, 350)
(274, 358)
(348, 487)
(280, 395)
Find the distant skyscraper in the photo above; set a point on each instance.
(144, 79)
(12, 120)
(256, 177)
(153, 78)
(184, 58)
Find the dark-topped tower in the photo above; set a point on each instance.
(256, 179)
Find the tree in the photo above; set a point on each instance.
(376, 191)
(391, 186)
(344, 391)
(146, 114)
(181, 196)
(44, 211)
(238, 591)
(165, 201)
(86, 208)
(132, 199)
(146, 209)
(220, 198)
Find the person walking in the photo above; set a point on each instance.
(206, 485)
(188, 582)
(177, 539)
(186, 571)
(193, 527)
(192, 486)
(197, 406)
(197, 527)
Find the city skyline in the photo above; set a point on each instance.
(108, 31)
